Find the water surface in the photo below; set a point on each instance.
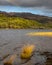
(11, 41)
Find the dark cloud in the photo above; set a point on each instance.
(5, 2)
(28, 3)
(32, 3)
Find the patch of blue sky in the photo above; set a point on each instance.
(37, 10)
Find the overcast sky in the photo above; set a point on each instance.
(43, 5)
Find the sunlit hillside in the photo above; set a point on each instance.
(21, 23)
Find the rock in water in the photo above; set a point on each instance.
(27, 51)
(10, 60)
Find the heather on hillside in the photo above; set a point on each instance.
(21, 23)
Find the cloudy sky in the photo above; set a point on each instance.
(42, 7)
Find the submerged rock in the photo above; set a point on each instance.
(10, 60)
(27, 51)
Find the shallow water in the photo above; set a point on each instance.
(11, 41)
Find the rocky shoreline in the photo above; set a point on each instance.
(38, 58)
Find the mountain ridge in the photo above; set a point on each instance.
(27, 15)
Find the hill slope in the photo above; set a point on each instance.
(24, 20)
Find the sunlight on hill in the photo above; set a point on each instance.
(22, 23)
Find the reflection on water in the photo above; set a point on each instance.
(49, 34)
(11, 41)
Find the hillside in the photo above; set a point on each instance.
(24, 20)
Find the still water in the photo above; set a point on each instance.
(12, 40)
